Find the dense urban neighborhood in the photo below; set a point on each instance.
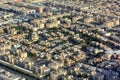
(59, 40)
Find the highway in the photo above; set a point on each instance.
(20, 70)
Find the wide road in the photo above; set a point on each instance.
(15, 72)
(18, 69)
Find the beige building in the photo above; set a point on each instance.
(53, 24)
(22, 55)
(34, 37)
(89, 20)
(109, 24)
(38, 23)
